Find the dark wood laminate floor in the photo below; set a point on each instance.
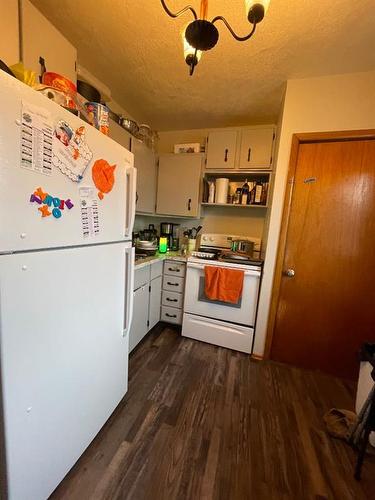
(201, 422)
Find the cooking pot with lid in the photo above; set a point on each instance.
(243, 246)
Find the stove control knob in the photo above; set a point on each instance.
(211, 238)
(204, 238)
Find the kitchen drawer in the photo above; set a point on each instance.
(141, 276)
(173, 283)
(156, 269)
(171, 315)
(172, 299)
(174, 268)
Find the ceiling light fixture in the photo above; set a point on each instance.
(201, 34)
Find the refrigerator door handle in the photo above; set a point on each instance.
(129, 287)
(131, 183)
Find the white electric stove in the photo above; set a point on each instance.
(221, 323)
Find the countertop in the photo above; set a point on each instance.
(160, 256)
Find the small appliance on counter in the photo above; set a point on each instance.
(146, 241)
(172, 233)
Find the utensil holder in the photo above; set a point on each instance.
(191, 245)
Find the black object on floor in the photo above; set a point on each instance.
(366, 418)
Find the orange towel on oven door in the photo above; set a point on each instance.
(223, 284)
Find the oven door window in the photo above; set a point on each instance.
(203, 298)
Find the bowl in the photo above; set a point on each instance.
(146, 243)
(129, 125)
(88, 91)
(58, 82)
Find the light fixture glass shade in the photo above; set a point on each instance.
(189, 51)
(256, 9)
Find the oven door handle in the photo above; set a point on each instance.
(201, 267)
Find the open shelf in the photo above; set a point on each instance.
(204, 204)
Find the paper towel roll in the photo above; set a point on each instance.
(222, 185)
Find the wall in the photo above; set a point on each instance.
(331, 103)
(41, 39)
(214, 219)
(9, 44)
(51, 45)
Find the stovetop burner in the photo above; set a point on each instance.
(237, 258)
(205, 254)
(227, 256)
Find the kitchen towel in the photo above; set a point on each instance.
(223, 284)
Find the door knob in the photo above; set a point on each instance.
(290, 273)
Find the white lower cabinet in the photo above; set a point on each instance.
(171, 315)
(147, 301)
(154, 305)
(139, 324)
(173, 291)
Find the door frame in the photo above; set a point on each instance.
(297, 139)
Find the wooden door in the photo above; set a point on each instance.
(145, 163)
(256, 148)
(179, 183)
(221, 149)
(326, 310)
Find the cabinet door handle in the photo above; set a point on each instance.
(226, 155)
(172, 284)
(174, 269)
(189, 204)
(172, 300)
(249, 154)
(171, 315)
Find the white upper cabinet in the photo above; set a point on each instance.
(9, 44)
(119, 134)
(179, 183)
(256, 148)
(221, 149)
(145, 163)
(41, 39)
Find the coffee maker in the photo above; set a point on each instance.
(171, 232)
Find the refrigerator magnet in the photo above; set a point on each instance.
(47, 201)
(103, 175)
(36, 139)
(70, 152)
(45, 211)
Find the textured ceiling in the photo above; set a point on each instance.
(136, 49)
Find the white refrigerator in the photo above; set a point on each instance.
(67, 205)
